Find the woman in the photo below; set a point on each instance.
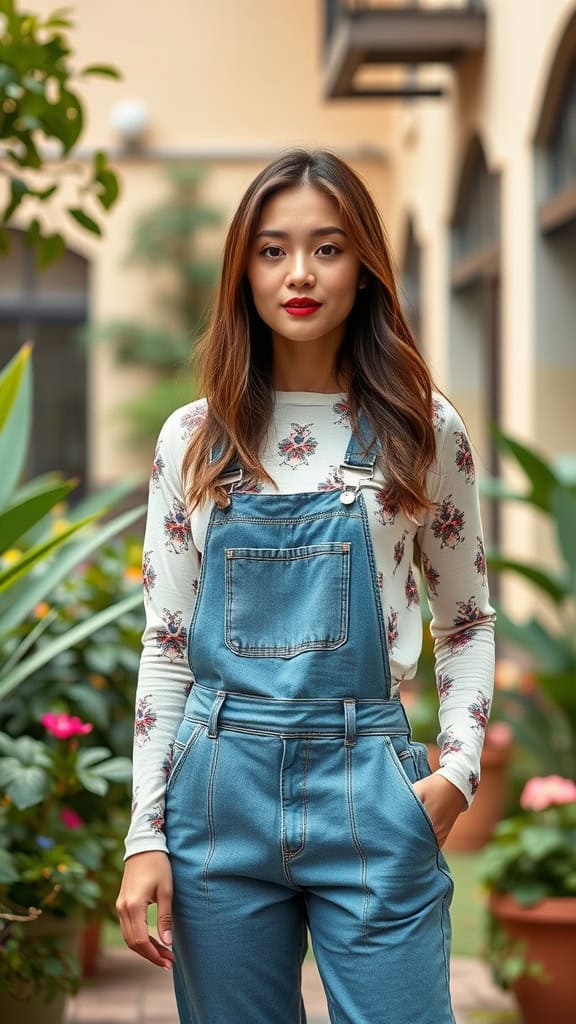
(277, 788)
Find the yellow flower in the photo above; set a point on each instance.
(41, 610)
(62, 868)
(133, 574)
(59, 526)
(11, 556)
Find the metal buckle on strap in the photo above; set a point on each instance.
(229, 480)
(352, 485)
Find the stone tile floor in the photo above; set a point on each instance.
(128, 990)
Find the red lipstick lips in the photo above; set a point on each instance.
(301, 306)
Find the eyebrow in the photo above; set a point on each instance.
(330, 230)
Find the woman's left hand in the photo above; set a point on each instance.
(444, 802)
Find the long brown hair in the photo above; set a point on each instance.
(389, 379)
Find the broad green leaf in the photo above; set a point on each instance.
(11, 379)
(554, 586)
(116, 769)
(90, 756)
(538, 842)
(17, 520)
(37, 588)
(37, 554)
(540, 475)
(92, 782)
(84, 220)
(49, 248)
(26, 785)
(73, 636)
(18, 189)
(8, 870)
(16, 427)
(563, 505)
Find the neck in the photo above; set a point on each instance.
(307, 367)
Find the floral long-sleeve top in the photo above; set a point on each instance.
(306, 443)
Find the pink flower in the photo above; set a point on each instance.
(62, 726)
(541, 792)
(498, 734)
(69, 818)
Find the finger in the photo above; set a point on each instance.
(139, 939)
(164, 897)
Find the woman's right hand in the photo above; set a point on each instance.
(147, 879)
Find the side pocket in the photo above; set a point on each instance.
(181, 750)
(407, 765)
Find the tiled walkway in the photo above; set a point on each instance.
(127, 990)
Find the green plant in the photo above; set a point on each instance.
(36, 552)
(54, 844)
(166, 236)
(532, 856)
(39, 101)
(551, 493)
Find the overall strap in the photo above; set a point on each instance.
(354, 456)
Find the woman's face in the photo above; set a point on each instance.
(302, 250)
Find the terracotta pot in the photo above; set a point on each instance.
(474, 827)
(91, 942)
(28, 1008)
(549, 930)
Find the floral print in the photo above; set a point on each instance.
(177, 528)
(341, 411)
(145, 720)
(386, 510)
(431, 575)
(448, 523)
(307, 444)
(332, 482)
(411, 590)
(298, 446)
(192, 418)
(157, 468)
(464, 459)
(480, 561)
(172, 639)
(149, 575)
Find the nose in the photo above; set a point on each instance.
(299, 273)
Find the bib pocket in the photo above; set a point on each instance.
(281, 602)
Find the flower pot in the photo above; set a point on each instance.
(549, 930)
(474, 827)
(27, 1007)
(90, 947)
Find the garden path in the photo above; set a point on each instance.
(127, 990)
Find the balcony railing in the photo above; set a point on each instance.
(359, 33)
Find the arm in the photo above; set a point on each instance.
(462, 626)
(170, 573)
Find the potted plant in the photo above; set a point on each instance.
(56, 841)
(529, 872)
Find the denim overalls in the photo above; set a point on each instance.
(289, 804)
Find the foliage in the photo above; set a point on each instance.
(167, 237)
(39, 101)
(37, 549)
(551, 492)
(51, 855)
(531, 856)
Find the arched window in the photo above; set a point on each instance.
(475, 338)
(47, 307)
(555, 253)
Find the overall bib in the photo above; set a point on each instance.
(289, 804)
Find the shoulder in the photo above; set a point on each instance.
(177, 429)
(450, 431)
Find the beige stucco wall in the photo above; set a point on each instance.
(230, 82)
(497, 97)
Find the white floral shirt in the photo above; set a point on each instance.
(306, 442)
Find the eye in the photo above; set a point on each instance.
(329, 245)
(267, 249)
